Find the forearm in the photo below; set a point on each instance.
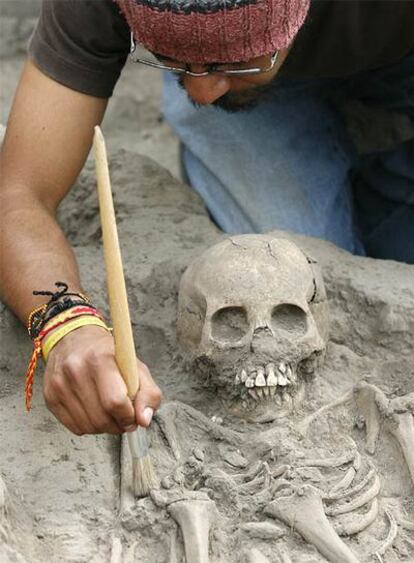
(49, 134)
(34, 253)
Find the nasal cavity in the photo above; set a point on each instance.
(262, 331)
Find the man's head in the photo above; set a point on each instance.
(200, 33)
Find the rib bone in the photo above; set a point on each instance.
(392, 534)
(194, 518)
(329, 462)
(338, 492)
(344, 506)
(350, 524)
(303, 511)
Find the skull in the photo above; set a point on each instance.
(252, 316)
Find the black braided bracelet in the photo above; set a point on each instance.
(59, 301)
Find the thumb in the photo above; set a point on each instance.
(148, 398)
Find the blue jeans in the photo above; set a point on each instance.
(290, 163)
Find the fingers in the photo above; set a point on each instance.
(85, 391)
(88, 399)
(148, 398)
(112, 393)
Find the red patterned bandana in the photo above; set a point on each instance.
(219, 31)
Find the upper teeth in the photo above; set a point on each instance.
(282, 380)
(260, 378)
(267, 377)
(271, 377)
(250, 381)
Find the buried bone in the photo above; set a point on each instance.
(350, 524)
(378, 412)
(194, 518)
(341, 489)
(303, 511)
(392, 534)
(344, 506)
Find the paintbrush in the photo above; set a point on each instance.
(142, 470)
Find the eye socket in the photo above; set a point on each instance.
(229, 324)
(290, 318)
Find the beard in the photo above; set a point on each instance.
(234, 102)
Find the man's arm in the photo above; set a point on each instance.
(48, 137)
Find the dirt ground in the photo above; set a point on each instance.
(64, 498)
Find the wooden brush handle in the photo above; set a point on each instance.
(118, 301)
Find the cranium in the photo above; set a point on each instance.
(252, 315)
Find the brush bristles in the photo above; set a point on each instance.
(143, 476)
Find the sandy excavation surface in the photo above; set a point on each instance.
(64, 498)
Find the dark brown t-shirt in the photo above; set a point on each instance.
(83, 44)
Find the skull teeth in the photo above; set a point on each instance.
(249, 383)
(282, 380)
(282, 368)
(259, 392)
(268, 382)
(267, 377)
(290, 374)
(253, 394)
(260, 378)
(271, 377)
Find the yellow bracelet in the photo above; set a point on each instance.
(50, 341)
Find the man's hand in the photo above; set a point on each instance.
(85, 391)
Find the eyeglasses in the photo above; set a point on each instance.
(230, 69)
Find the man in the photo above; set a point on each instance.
(280, 155)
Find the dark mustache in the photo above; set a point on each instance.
(234, 102)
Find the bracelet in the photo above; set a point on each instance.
(86, 312)
(71, 313)
(59, 301)
(67, 328)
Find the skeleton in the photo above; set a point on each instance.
(253, 319)
(200, 488)
(252, 315)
